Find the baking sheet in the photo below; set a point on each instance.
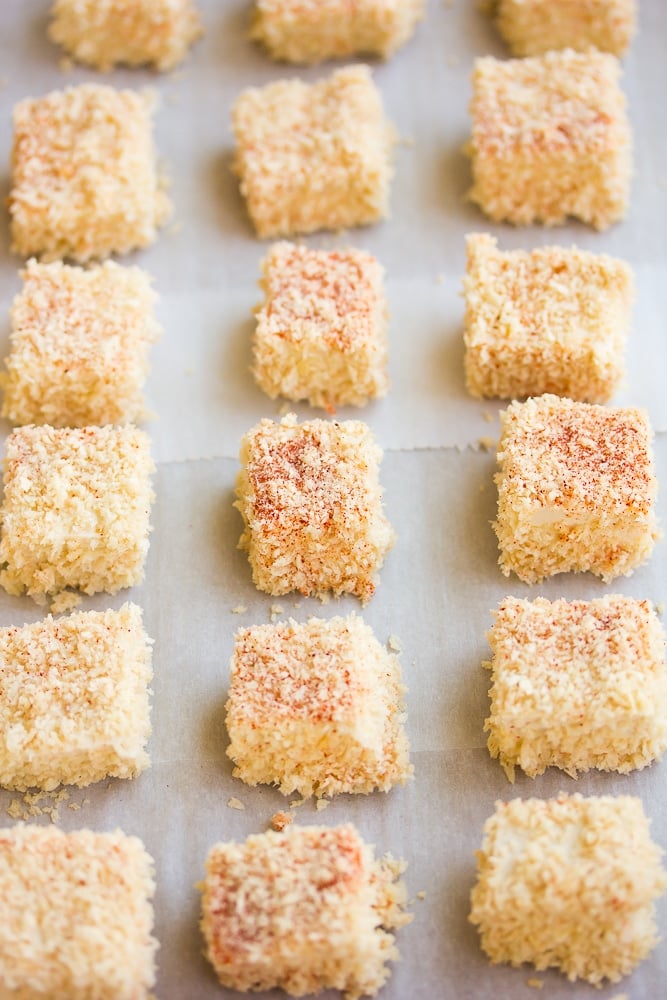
(441, 580)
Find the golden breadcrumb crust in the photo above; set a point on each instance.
(106, 33)
(311, 503)
(76, 509)
(570, 883)
(314, 156)
(309, 31)
(550, 139)
(74, 699)
(80, 341)
(576, 489)
(316, 708)
(85, 182)
(75, 915)
(533, 27)
(551, 320)
(321, 330)
(305, 909)
(577, 685)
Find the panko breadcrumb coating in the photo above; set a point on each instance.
(577, 685)
(550, 139)
(75, 915)
(106, 33)
(76, 509)
(569, 883)
(314, 156)
(85, 182)
(309, 31)
(74, 699)
(551, 320)
(321, 330)
(303, 910)
(79, 345)
(576, 489)
(316, 708)
(311, 502)
(533, 27)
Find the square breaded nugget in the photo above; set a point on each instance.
(74, 699)
(570, 883)
(532, 27)
(85, 181)
(106, 33)
(316, 708)
(80, 341)
(550, 139)
(321, 330)
(303, 910)
(309, 32)
(314, 156)
(576, 489)
(551, 320)
(576, 685)
(75, 915)
(76, 509)
(311, 502)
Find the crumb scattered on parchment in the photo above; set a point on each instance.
(487, 443)
(74, 806)
(175, 228)
(537, 984)
(65, 65)
(31, 805)
(276, 610)
(234, 803)
(295, 803)
(488, 416)
(620, 996)
(65, 601)
(240, 609)
(322, 804)
(324, 598)
(297, 604)
(440, 278)
(421, 894)
(284, 409)
(660, 608)
(394, 644)
(280, 820)
(407, 140)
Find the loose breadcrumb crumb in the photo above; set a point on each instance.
(240, 609)
(235, 803)
(280, 820)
